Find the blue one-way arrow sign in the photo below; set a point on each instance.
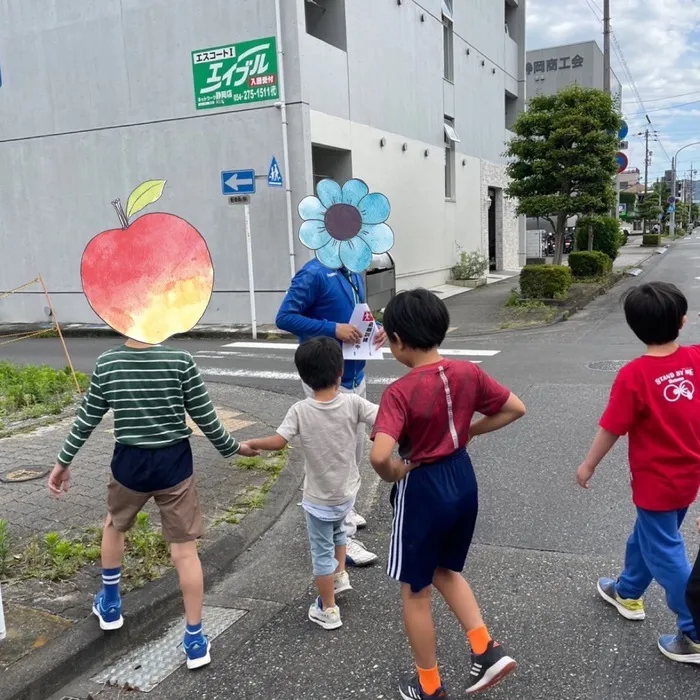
(238, 182)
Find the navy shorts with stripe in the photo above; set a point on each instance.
(435, 508)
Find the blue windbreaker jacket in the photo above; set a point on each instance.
(318, 299)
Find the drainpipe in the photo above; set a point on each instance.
(282, 106)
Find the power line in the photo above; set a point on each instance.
(671, 97)
(664, 109)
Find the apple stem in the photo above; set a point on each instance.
(120, 213)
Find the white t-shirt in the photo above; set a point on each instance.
(328, 434)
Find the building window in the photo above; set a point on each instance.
(448, 40)
(451, 141)
(511, 110)
(325, 19)
(330, 164)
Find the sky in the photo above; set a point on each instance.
(660, 41)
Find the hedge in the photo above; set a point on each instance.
(651, 239)
(607, 235)
(545, 281)
(589, 263)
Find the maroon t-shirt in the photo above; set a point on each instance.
(428, 412)
(654, 400)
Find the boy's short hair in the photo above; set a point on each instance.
(418, 317)
(319, 362)
(655, 311)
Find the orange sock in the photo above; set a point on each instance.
(429, 680)
(479, 639)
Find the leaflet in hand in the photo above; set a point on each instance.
(363, 320)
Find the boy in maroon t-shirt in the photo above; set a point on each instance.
(428, 413)
(654, 401)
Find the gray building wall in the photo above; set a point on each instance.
(98, 97)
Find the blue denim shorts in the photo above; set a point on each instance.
(324, 537)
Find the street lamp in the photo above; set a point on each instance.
(674, 163)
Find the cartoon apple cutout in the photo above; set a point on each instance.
(149, 279)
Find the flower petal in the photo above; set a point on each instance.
(329, 193)
(375, 208)
(329, 255)
(355, 254)
(379, 237)
(353, 191)
(311, 208)
(313, 234)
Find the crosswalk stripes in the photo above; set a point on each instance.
(273, 362)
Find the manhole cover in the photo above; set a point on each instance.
(24, 474)
(607, 366)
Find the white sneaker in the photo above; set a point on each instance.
(342, 582)
(357, 520)
(328, 619)
(358, 555)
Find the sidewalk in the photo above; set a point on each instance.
(38, 609)
(479, 311)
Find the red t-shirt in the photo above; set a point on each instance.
(428, 411)
(654, 400)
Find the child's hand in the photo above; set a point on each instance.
(584, 474)
(247, 451)
(59, 481)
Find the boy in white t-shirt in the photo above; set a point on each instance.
(327, 425)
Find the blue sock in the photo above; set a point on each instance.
(193, 632)
(110, 583)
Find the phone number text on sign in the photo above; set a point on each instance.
(235, 74)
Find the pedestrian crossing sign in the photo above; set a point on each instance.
(274, 176)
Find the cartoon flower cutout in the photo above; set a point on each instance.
(345, 226)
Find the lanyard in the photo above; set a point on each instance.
(355, 288)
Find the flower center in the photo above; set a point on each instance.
(343, 221)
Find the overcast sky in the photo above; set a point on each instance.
(660, 40)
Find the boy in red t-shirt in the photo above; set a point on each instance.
(654, 401)
(428, 413)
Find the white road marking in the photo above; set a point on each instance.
(453, 352)
(278, 376)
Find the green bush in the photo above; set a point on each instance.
(651, 239)
(607, 235)
(680, 232)
(545, 281)
(589, 264)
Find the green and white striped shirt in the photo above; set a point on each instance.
(149, 390)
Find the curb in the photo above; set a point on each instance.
(47, 670)
(200, 332)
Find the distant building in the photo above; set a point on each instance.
(551, 69)
(630, 180)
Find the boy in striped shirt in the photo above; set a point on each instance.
(150, 388)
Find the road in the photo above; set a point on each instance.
(541, 542)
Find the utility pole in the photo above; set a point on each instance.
(673, 194)
(606, 45)
(646, 171)
(690, 201)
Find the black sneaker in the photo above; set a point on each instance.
(410, 689)
(489, 668)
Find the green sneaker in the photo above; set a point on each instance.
(629, 609)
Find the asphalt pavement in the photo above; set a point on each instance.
(541, 541)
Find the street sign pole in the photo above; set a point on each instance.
(251, 276)
(673, 194)
(3, 631)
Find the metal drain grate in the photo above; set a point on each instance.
(607, 366)
(150, 664)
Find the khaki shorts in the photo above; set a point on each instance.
(180, 516)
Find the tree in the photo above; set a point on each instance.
(649, 209)
(563, 158)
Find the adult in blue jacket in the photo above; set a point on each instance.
(320, 302)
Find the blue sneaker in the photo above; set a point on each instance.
(197, 651)
(109, 614)
(680, 647)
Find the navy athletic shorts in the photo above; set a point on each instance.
(435, 508)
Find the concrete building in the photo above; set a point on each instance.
(551, 69)
(97, 97)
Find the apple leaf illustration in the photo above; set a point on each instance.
(145, 194)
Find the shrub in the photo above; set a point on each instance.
(607, 236)
(545, 281)
(589, 264)
(470, 266)
(651, 239)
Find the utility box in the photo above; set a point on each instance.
(380, 281)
